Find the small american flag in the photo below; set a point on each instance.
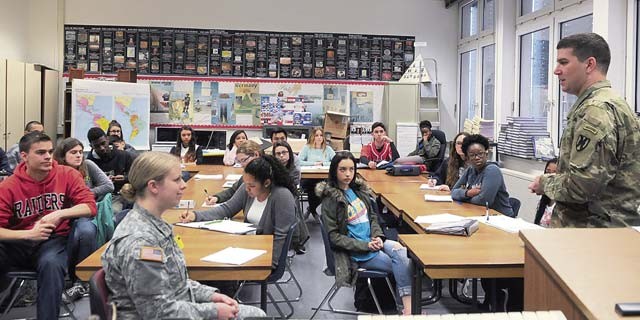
(151, 254)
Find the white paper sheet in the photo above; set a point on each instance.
(228, 184)
(438, 198)
(208, 176)
(226, 226)
(236, 256)
(425, 186)
(186, 204)
(506, 223)
(437, 218)
(233, 177)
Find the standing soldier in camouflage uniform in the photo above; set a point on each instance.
(599, 163)
(144, 267)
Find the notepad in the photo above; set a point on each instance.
(185, 204)
(208, 176)
(425, 186)
(233, 177)
(437, 218)
(438, 198)
(236, 256)
(507, 224)
(226, 226)
(464, 227)
(228, 184)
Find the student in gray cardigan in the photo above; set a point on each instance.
(247, 151)
(482, 182)
(267, 199)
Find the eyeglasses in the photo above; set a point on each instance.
(115, 131)
(243, 160)
(477, 155)
(282, 153)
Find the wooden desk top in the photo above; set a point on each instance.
(488, 253)
(307, 172)
(596, 268)
(381, 175)
(384, 187)
(200, 243)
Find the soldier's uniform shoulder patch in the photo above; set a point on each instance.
(153, 254)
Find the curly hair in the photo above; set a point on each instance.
(473, 139)
(268, 167)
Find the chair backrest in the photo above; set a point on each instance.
(438, 134)
(515, 205)
(99, 295)
(328, 251)
(282, 260)
(118, 217)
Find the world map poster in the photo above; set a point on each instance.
(96, 103)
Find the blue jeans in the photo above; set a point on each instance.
(393, 261)
(49, 259)
(81, 243)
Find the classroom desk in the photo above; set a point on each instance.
(385, 187)
(200, 243)
(488, 253)
(582, 272)
(307, 172)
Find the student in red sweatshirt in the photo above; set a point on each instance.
(36, 203)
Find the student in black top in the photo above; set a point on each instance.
(115, 163)
(546, 205)
(186, 148)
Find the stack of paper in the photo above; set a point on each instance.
(233, 255)
(437, 218)
(438, 198)
(507, 224)
(208, 176)
(227, 226)
(464, 227)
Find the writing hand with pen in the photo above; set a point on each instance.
(188, 216)
(210, 200)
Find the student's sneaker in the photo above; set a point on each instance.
(300, 250)
(74, 293)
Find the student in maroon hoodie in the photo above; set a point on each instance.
(36, 203)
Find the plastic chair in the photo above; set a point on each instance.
(99, 296)
(362, 273)
(20, 277)
(515, 205)
(276, 275)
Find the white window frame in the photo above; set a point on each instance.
(476, 42)
(550, 19)
(633, 74)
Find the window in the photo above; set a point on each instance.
(534, 73)
(488, 17)
(529, 6)
(469, 20)
(467, 86)
(567, 28)
(488, 81)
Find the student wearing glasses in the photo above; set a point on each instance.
(238, 137)
(282, 151)
(482, 182)
(115, 129)
(247, 151)
(452, 167)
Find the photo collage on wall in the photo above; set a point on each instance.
(252, 103)
(229, 53)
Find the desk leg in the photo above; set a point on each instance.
(416, 288)
(263, 296)
(474, 293)
(493, 296)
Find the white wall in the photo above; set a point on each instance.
(427, 20)
(13, 29)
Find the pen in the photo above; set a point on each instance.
(487, 210)
(212, 222)
(207, 194)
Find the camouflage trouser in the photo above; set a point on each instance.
(250, 312)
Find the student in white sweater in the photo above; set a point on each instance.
(315, 153)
